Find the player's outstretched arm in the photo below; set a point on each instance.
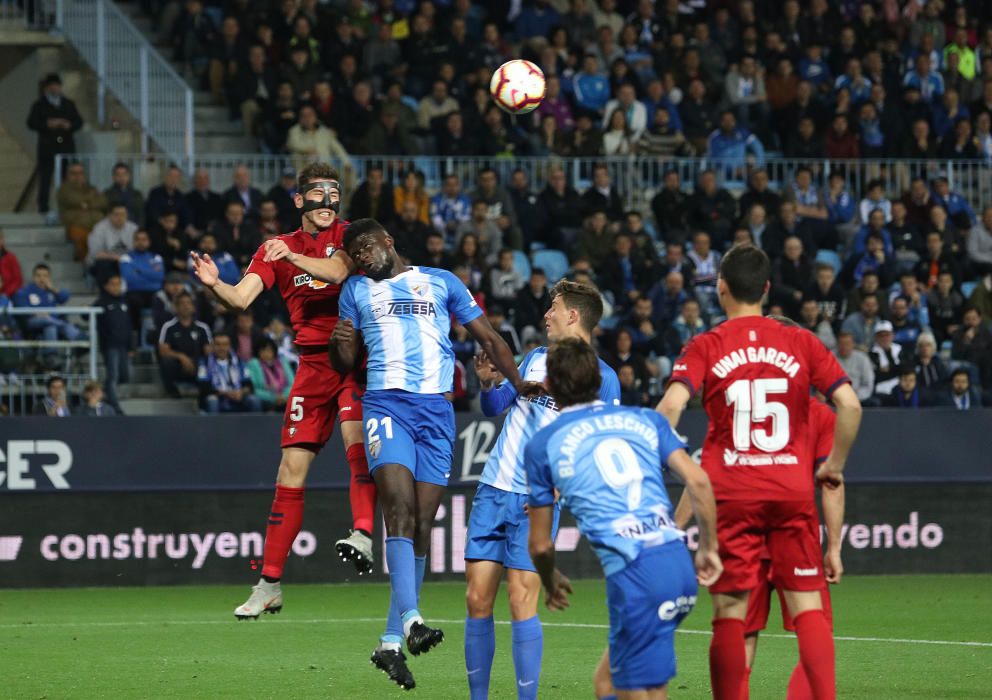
(674, 402)
(499, 352)
(345, 346)
(683, 511)
(831, 472)
(832, 501)
(239, 296)
(542, 552)
(697, 485)
(334, 269)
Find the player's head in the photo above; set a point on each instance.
(744, 273)
(318, 195)
(368, 244)
(575, 311)
(573, 372)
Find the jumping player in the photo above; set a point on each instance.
(319, 394)
(403, 317)
(755, 374)
(498, 525)
(607, 462)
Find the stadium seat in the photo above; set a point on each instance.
(967, 288)
(521, 263)
(553, 262)
(829, 256)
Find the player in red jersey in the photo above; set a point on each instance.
(755, 375)
(319, 394)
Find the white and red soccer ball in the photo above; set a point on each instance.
(518, 86)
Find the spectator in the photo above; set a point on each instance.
(163, 304)
(236, 234)
(280, 116)
(283, 193)
(591, 88)
(667, 298)
(10, 270)
(670, 206)
(918, 201)
(874, 227)
(906, 393)
(623, 272)
(706, 263)
(863, 324)
(93, 401)
(555, 105)
(271, 376)
(486, 232)
(805, 143)
(585, 141)
(958, 210)
(245, 335)
(167, 197)
(229, 53)
(170, 242)
(382, 55)
(931, 374)
(929, 82)
(874, 259)
(309, 140)
(906, 238)
(500, 206)
(648, 339)
(122, 191)
(408, 231)
(812, 320)
(631, 393)
(854, 81)
(856, 366)
(269, 225)
(204, 205)
(242, 191)
(623, 354)
(55, 118)
(455, 139)
(524, 202)
(433, 253)
(192, 37)
(920, 144)
(143, 271)
(532, 303)
(772, 238)
(962, 395)
(731, 146)
(938, 259)
(469, 256)
(870, 132)
(711, 209)
(435, 106)
(759, 193)
(744, 89)
(841, 143)
(663, 138)
(496, 316)
(886, 358)
(635, 113)
(698, 115)
(790, 273)
(505, 280)
(449, 208)
(688, 324)
(870, 286)
(114, 329)
(412, 190)
(42, 294)
(56, 401)
(224, 383)
(813, 69)
(959, 145)
(81, 205)
(254, 89)
(388, 136)
(972, 343)
(980, 244)
(182, 345)
(618, 139)
(227, 267)
(905, 328)
(875, 199)
(946, 306)
(602, 195)
(110, 238)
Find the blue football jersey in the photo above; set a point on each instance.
(505, 467)
(607, 462)
(405, 322)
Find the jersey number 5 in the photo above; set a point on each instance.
(751, 405)
(619, 468)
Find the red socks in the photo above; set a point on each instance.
(285, 522)
(728, 661)
(799, 685)
(816, 654)
(362, 489)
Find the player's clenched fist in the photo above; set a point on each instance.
(708, 567)
(344, 331)
(556, 597)
(830, 475)
(276, 249)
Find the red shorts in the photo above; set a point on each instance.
(790, 530)
(319, 395)
(759, 603)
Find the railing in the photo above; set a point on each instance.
(91, 343)
(636, 178)
(21, 393)
(132, 69)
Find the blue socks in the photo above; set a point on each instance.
(608, 697)
(480, 646)
(394, 622)
(528, 646)
(402, 581)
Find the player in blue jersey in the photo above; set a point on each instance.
(403, 316)
(498, 526)
(607, 463)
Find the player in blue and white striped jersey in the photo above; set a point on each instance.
(403, 315)
(498, 529)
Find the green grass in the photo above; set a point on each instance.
(183, 642)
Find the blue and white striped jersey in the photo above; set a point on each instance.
(607, 462)
(505, 467)
(405, 322)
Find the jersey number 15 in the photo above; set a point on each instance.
(751, 405)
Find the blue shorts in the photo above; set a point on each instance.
(498, 528)
(414, 430)
(647, 601)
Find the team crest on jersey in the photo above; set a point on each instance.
(292, 430)
(330, 250)
(420, 290)
(305, 280)
(375, 446)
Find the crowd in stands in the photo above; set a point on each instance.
(898, 283)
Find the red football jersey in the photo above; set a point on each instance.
(755, 374)
(312, 304)
(821, 431)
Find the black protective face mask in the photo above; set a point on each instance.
(327, 187)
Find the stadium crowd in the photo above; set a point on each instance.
(898, 283)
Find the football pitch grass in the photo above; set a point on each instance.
(897, 637)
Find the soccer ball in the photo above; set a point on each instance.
(517, 86)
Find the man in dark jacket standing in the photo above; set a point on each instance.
(55, 117)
